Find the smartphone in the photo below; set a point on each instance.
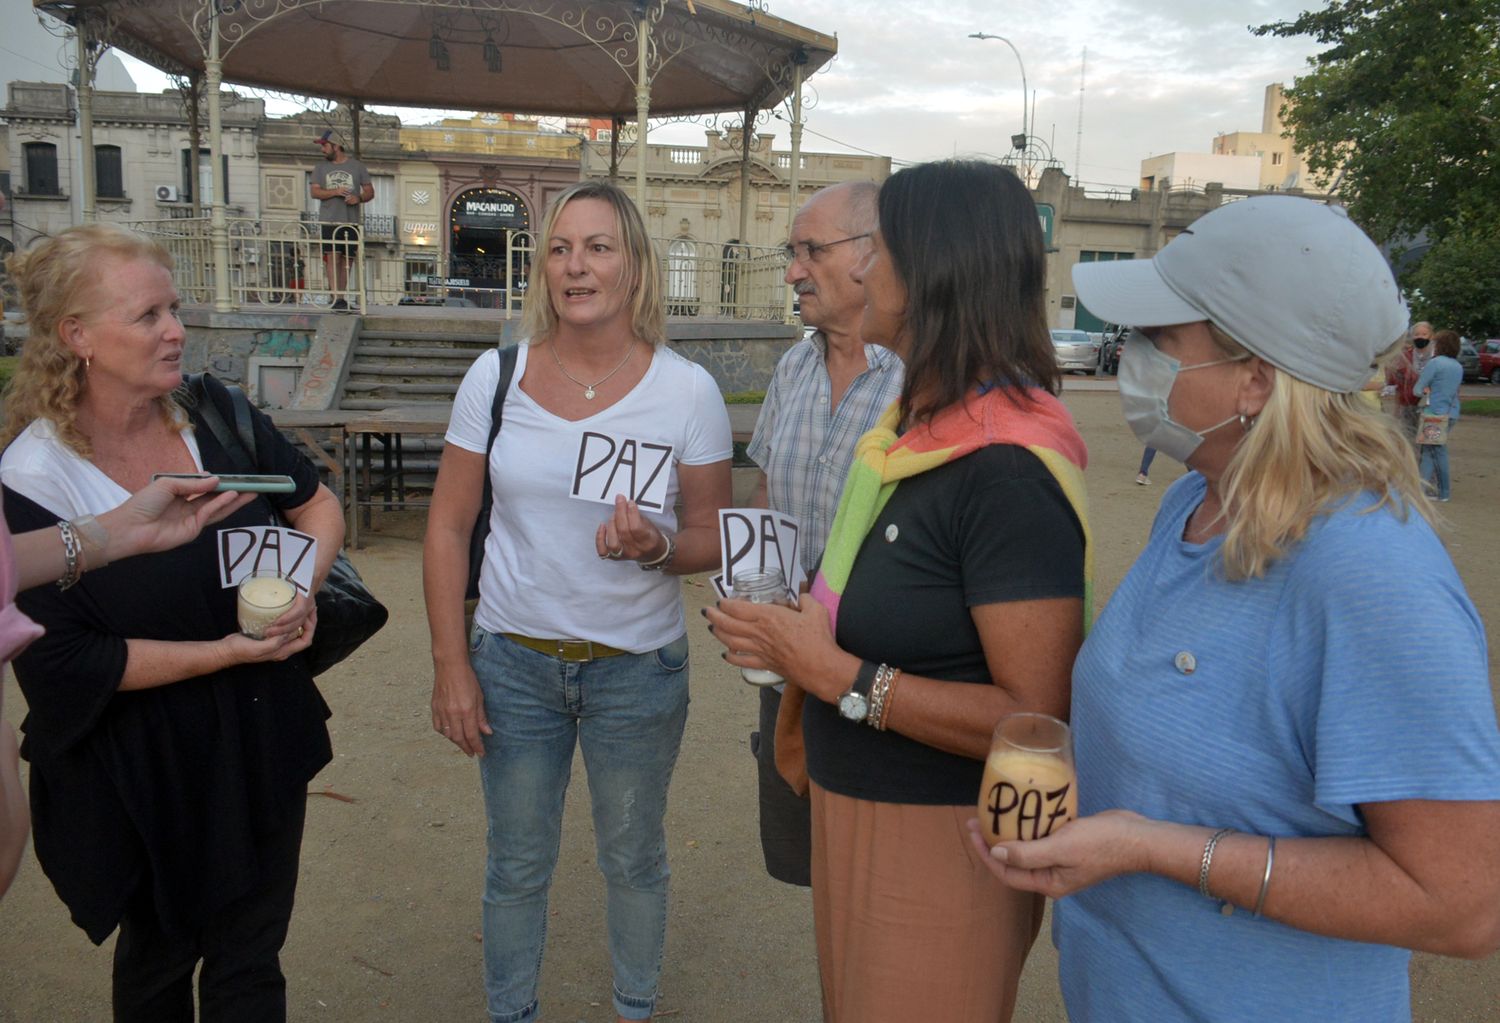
(230, 481)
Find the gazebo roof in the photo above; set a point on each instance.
(566, 57)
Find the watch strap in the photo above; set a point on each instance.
(864, 679)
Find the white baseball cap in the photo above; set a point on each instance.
(1294, 281)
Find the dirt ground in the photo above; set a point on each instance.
(387, 918)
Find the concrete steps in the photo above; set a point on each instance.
(400, 361)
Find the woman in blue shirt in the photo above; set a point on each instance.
(1440, 380)
(1279, 794)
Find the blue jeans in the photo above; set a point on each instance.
(1434, 465)
(628, 713)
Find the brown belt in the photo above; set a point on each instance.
(578, 650)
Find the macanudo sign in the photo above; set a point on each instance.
(491, 209)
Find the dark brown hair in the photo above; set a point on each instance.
(965, 238)
(1445, 342)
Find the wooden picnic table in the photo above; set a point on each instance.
(314, 429)
(389, 426)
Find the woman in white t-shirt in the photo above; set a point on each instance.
(578, 637)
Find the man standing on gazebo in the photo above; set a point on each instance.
(341, 184)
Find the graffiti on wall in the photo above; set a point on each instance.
(282, 344)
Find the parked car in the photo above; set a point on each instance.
(1075, 350)
(1489, 360)
(1109, 351)
(1468, 358)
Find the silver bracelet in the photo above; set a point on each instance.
(70, 555)
(878, 692)
(1265, 881)
(1208, 859)
(661, 561)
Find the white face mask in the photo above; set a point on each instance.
(1146, 379)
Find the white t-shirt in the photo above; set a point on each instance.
(542, 576)
(38, 465)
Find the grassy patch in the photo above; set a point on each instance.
(745, 398)
(1481, 407)
(7, 368)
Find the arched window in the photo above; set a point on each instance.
(682, 277)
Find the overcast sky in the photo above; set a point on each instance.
(1163, 76)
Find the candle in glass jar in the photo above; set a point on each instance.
(264, 597)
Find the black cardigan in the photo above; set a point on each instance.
(165, 787)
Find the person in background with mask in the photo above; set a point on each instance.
(1402, 374)
(1280, 793)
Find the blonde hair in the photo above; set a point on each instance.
(57, 280)
(641, 274)
(1310, 450)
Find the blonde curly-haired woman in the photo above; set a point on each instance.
(169, 754)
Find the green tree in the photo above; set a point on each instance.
(1457, 284)
(1402, 111)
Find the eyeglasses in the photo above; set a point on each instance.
(807, 252)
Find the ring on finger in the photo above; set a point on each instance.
(617, 554)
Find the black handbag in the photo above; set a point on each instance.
(481, 531)
(348, 613)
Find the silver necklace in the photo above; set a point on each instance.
(588, 389)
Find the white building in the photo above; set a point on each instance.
(1193, 171)
(143, 164)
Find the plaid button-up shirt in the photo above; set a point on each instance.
(803, 448)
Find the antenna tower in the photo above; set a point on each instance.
(1078, 150)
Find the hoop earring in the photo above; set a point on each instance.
(1246, 422)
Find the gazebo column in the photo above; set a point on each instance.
(642, 104)
(746, 134)
(791, 202)
(86, 120)
(213, 76)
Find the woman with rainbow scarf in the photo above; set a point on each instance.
(954, 590)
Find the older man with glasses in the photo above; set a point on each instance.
(826, 392)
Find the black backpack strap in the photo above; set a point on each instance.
(244, 426)
(497, 403)
(198, 387)
(481, 529)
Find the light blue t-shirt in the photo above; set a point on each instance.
(1444, 375)
(1354, 671)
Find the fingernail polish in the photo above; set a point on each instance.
(703, 611)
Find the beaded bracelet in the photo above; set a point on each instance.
(888, 700)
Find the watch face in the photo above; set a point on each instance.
(854, 706)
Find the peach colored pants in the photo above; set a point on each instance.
(910, 925)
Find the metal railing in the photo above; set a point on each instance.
(738, 282)
(280, 262)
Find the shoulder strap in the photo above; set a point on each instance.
(198, 386)
(497, 403)
(244, 427)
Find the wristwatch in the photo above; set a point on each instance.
(854, 705)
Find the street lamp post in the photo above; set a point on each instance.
(1007, 42)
